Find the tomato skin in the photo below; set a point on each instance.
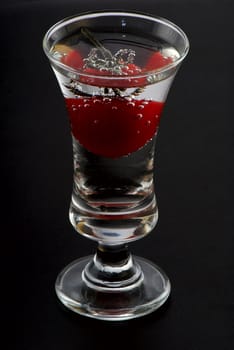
(73, 59)
(157, 61)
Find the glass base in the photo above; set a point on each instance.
(137, 299)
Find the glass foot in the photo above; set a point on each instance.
(144, 295)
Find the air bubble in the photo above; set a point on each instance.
(106, 99)
(141, 107)
(114, 108)
(139, 116)
(96, 121)
(138, 132)
(96, 101)
(156, 116)
(86, 105)
(148, 122)
(145, 102)
(132, 104)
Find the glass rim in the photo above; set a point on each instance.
(94, 14)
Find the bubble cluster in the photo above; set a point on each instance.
(102, 59)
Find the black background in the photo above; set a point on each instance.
(193, 241)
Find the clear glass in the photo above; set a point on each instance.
(115, 70)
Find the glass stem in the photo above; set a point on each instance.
(112, 267)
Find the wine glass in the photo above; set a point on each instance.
(114, 70)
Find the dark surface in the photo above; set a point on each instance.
(193, 241)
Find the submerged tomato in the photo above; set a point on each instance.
(113, 127)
